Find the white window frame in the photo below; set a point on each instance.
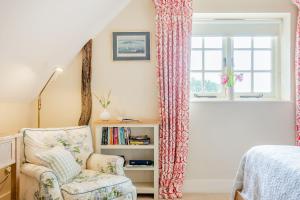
(275, 80)
(281, 78)
(203, 49)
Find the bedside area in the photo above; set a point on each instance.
(10, 157)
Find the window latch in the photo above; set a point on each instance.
(252, 96)
(204, 96)
(224, 62)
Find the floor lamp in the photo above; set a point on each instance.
(57, 71)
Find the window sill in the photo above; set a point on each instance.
(238, 100)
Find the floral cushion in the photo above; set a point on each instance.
(90, 184)
(77, 140)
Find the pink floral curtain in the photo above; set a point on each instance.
(173, 34)
(297, 74)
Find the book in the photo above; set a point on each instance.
(111, 135)
(139, 140)
(122, 136)
(117, 136)
(104, 136)
(115, 133)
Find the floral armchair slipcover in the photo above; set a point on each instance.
(101, 178)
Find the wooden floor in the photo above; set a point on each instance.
(195, 197)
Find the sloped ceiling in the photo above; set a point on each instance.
(38, 35)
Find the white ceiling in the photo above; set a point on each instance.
(38, 35)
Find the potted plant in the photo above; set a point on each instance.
(104, 102)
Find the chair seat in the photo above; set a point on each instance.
(95, 185)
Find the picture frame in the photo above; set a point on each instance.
(131, 46)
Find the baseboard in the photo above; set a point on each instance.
(208, 186)
(5, 196)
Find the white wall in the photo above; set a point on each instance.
(61, 101)
(133, 83)
(220, 131)
(13, 117)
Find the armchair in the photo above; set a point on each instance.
(102, 176)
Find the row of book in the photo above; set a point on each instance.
(139, 140)
(115, 135)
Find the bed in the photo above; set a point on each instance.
(269, 172)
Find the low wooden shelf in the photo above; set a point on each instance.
(144, 187)
(143, 177)
(150, 146)
(138, 168)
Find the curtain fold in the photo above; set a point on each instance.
(297, 74)
(173, 35)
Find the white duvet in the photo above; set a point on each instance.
(269, 173)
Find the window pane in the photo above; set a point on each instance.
(196, 60)
(262, 42)
(196, 42)
(242, 42)
(212, 82)
(213, 42)
(262, 82)
(196, 82)
(243, 86)
(213, 60)
(242, 60)
(262, 60)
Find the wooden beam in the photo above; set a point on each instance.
(238, 196)
(86, 93)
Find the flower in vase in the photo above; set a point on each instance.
(224, 79)
(104, 101)
(228, 79)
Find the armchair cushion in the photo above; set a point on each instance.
(90, 184)
(77, 140)
(48, 184)
(61, 162)
(106, 164)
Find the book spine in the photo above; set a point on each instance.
(103, 135)
(119, 136)
(115, 141)
(102, 139)
(107, 135)
(111, 135)
(126, 135)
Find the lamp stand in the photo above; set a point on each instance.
(40, 95)
(39, 111)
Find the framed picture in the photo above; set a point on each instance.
(131, 45)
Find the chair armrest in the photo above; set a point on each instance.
(48, 182)
(106, 164)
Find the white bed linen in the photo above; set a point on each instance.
(269, 172)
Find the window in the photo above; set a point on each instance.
(206, 65)
(253, 57)
(255, 47)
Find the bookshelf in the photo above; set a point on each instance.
(145, 178)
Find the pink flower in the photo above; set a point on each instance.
(239, 77)
(224, 79)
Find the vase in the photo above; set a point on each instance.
(230, 91)
(105, 115)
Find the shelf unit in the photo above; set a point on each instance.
(145, 178)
